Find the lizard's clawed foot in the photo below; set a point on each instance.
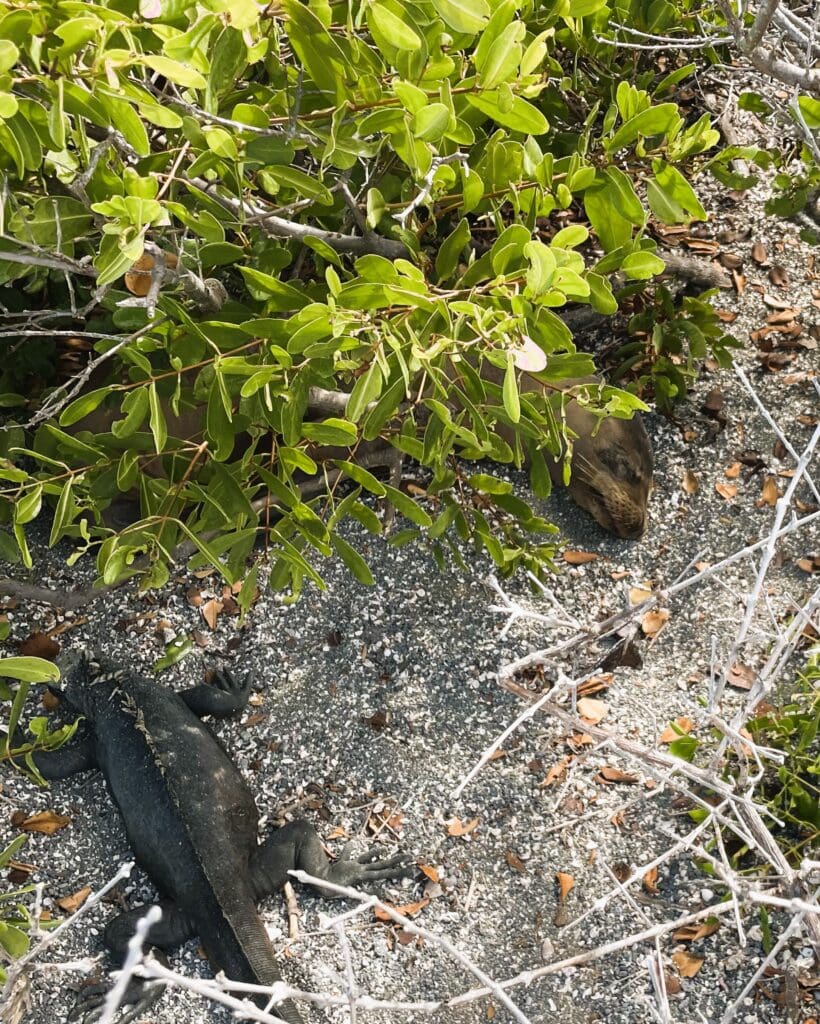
(138, 997)
(223, 679)
(367, 867)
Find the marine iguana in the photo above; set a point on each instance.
(190, 817)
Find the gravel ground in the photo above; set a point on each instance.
(374, 703)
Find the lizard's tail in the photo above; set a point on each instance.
(241, 948)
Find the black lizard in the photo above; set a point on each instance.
(190, 817)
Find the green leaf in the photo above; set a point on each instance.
(157, 419)
(331, 431)
(221, 143)
(306, 185)
(63, 514)
(13, 940)
(20, 537)
(521, 116)
(82, 406)
(9, 143)
(174, 71)
(8, 55)
(392, 28)
(367, 389)
(569, 237)
(541, 269)
(316, 49)
(640, 266)
(466, 16)
(176, 650)
(362, 476)
(671, 196)
(409, 509)
(489, 484)
(663, 119)
(28, 507)
(281, 296)
(352, 559)
(451, 248)
(685, 748)
(612, 229)
(127, 470)
(29, 670)
(500, 62)
(111, 261)
(509, 393)
(135, 406)
(383, 410)
(431, 122)
(218, 426)
(601, 297)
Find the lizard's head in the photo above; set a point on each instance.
(77, 670)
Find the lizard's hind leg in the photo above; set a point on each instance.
(172, 929)
(296, 846)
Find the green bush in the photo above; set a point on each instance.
(244, 205)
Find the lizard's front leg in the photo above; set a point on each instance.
(296, 846)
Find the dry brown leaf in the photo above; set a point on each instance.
(49, 700)
(773, 302)
(691, 483)
(579, 557)
(194, 597)
(566, 883)
(73, 902)
(693, 932)
(211, 611)
(650, 881)
(682, 727)
(595, 684)
(406, 910)
(457, 827)
(581, 739)
(654, 621)
(338, 833)
(726, 491)
(138, 278)
(46, 822)
(557, 771)
(687, 965)
(811, 564)
(429, 871)
(759, 254)
(740, 676)
(733, 471)
(592, 710)
(514, 861)
(713, 403)
(254, 719)
(672, 983)
(39, 645)
(637, 595)
(769, 493)
(609, 776)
